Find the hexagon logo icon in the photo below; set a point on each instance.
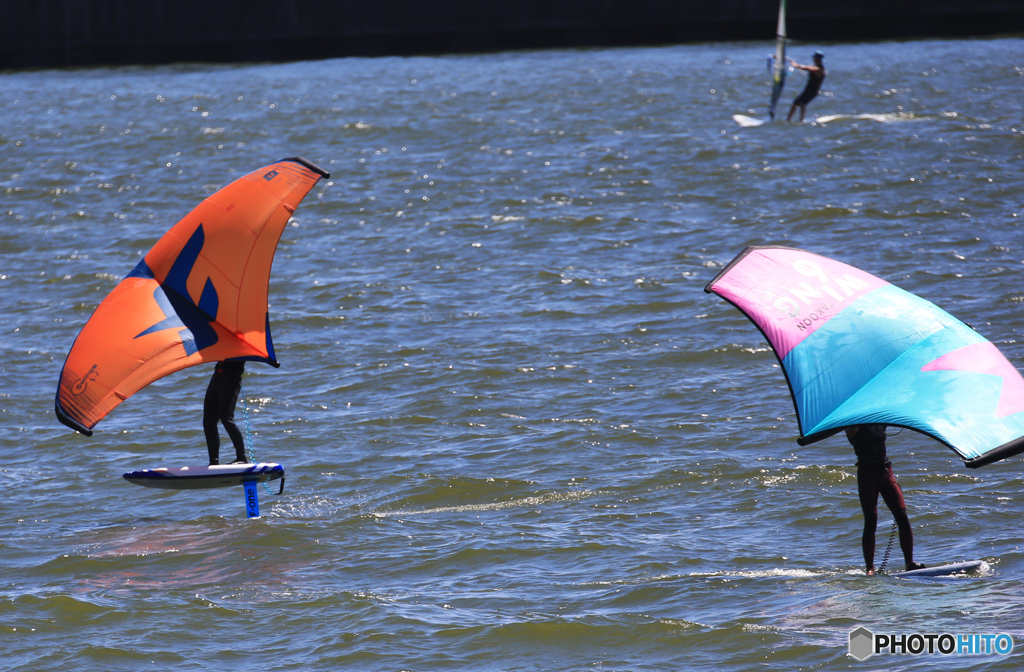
(861, 643)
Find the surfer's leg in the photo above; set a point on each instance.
(892, 494)
(867, 490)
(227, 418)
(906, 536)
(236, 440)
(792, 109)
(210, 417)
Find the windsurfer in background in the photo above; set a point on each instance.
(874, 477)
(815, 76)
(219, 407)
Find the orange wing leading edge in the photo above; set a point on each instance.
(200, 295)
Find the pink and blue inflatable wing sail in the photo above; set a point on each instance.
(858, 350)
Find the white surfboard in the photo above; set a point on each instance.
(945, 570)
(745, 121)
(204, 476)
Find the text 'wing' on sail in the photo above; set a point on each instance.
(199, 295)
(858, 350)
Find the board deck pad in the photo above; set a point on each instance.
(945, 570)
(207, 476)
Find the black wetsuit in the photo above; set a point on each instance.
(811, 90)
(874, 471)
(219, 406)
(869, 445)
(875, 477)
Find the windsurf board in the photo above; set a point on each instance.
(745, 121)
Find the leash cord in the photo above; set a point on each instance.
(888, 548)
(250, 452)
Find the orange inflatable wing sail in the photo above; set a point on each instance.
(200, 295)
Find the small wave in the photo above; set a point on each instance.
(881, 118)
(537, 500)
(307, 506)
(776, 572)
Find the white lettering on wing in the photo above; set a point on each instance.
(848, 284)
(786, 305)
(806, 293)
(839, 289)
(810, 269)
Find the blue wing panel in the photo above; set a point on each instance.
(867, 365)
(844, 355)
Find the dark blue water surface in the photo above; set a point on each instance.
(518, 434)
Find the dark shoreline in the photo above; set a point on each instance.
(64, 33)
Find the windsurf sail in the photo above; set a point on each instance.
(200, 295)
(858, 350)
(779, 66)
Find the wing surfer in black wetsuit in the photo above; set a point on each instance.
(815, 76)
(874, 477)
(219, 407)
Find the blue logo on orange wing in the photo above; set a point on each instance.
(179, 310)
